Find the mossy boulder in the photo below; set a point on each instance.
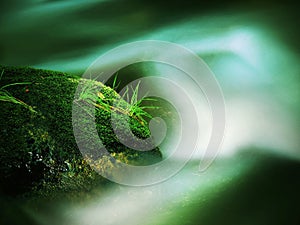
(37, 143)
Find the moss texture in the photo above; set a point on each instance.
(39, 147)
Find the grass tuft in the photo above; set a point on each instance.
(5, 96)
(135, 107)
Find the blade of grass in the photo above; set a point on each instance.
(13, 84)
(115, 85)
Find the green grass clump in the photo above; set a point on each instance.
(5, 96)
(134, 107)
(38, 148)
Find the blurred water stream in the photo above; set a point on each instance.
(254, 54)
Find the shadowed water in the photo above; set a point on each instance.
(253, 50)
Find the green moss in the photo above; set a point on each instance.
(39, 147)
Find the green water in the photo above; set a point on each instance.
(253, 50)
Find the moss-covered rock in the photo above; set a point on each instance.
(37, 145)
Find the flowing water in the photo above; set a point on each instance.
(253, 52)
